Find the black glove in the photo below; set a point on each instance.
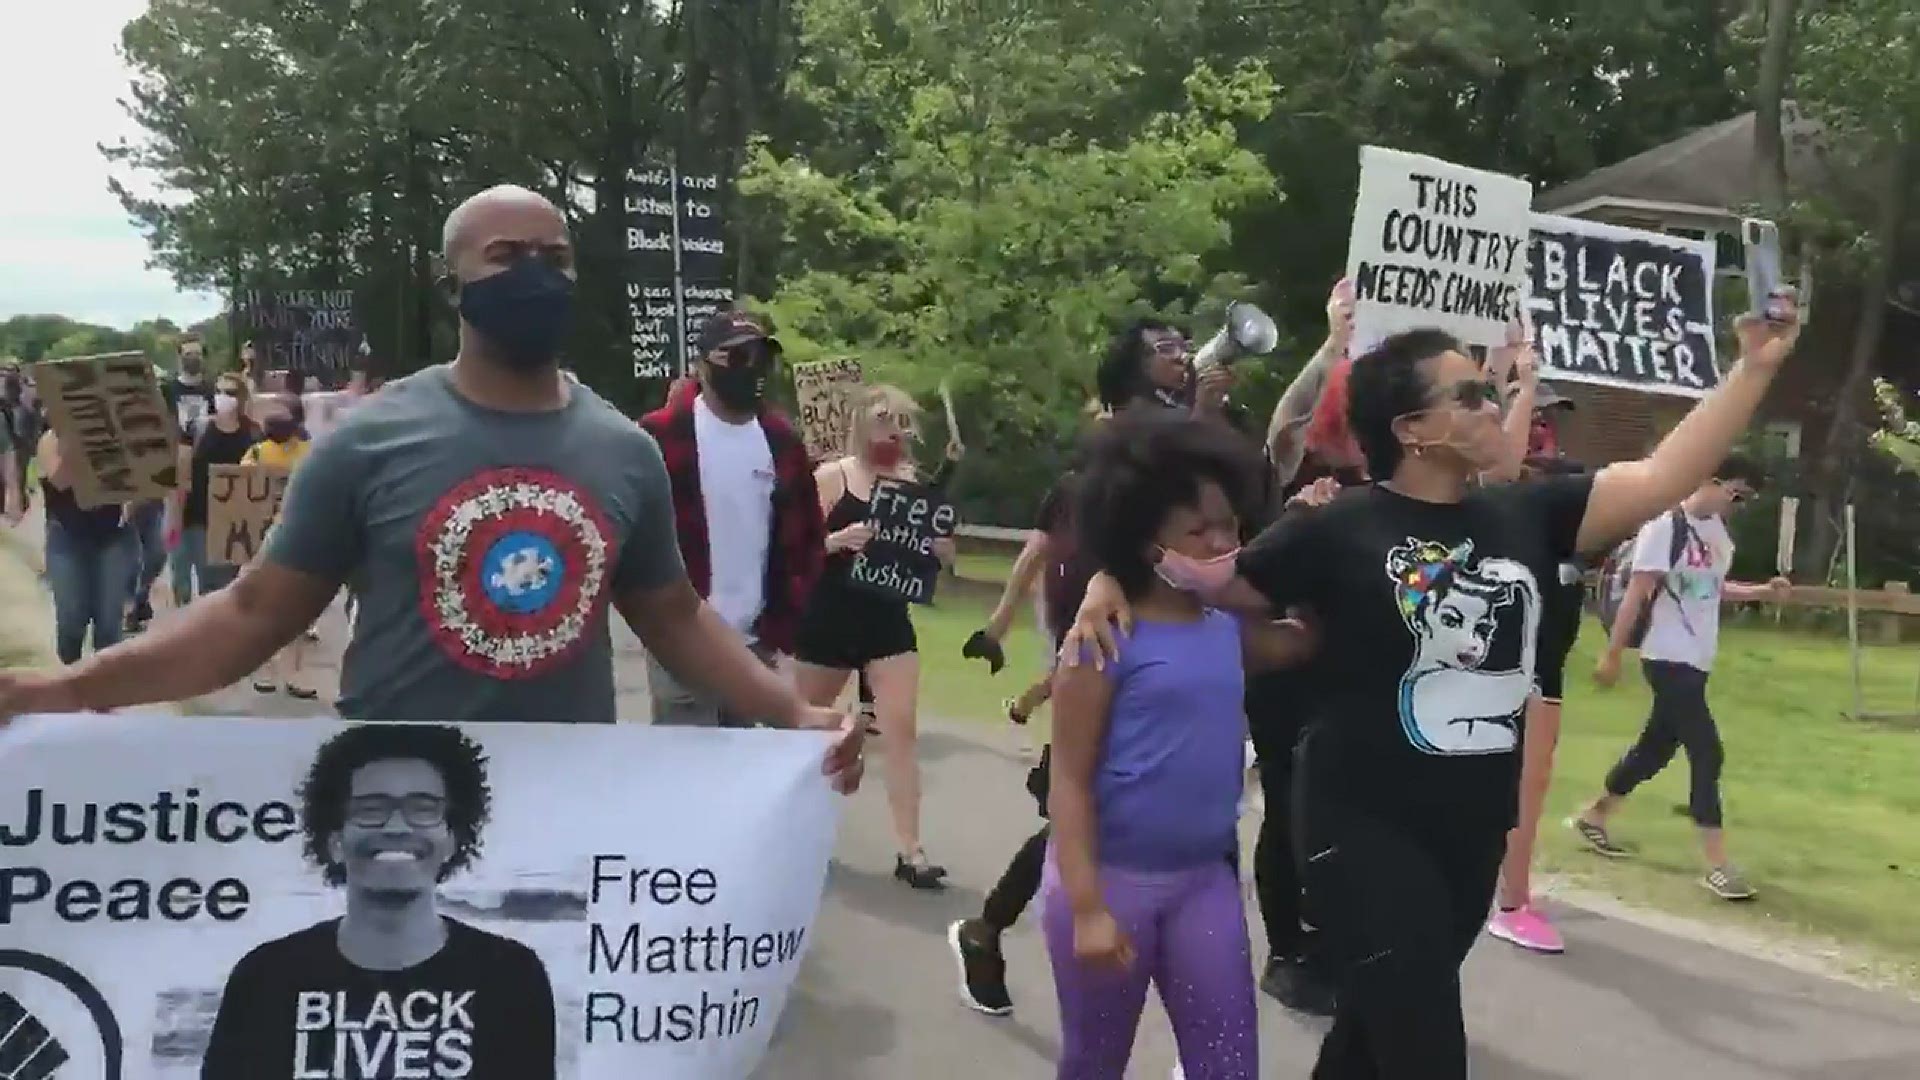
(982, 647)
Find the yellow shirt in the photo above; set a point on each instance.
(279, 455)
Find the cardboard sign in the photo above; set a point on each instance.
(824, 390)
(899, 560)
(1622, 307)
(619, 900)
(119, 440)
(243, 502)
(1436, 245)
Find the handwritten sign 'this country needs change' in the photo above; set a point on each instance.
(1436, 245)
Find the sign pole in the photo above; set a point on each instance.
(679, 276)
(1853, 619)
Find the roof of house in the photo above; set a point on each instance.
(1710, 169)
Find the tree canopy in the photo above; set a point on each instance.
(970, 191)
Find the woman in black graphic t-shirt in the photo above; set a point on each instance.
(1427, 593)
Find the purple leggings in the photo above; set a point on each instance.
(1189, 934)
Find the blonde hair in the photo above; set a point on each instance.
(870, 404)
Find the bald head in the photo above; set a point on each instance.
(491, 229)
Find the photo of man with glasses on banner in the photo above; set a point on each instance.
(393, 987)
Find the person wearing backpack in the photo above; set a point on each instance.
(1664, 599)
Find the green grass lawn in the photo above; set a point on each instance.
(1823, 812)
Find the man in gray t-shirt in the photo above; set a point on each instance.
(485, 547)
(489, 513)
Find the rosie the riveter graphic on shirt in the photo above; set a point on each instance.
(393, 990)
(1457, 610)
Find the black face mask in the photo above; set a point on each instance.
(522, 310)
(742, 383)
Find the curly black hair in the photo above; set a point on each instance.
(1121, 375)
(462, 765)
(1141, 467)
(1387, 383)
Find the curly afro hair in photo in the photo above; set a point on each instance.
(460, 761)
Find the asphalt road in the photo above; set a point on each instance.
(877, 997)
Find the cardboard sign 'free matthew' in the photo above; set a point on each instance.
(232, 899)
(118, 440)
(1436, 245)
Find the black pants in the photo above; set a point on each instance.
(1276, 864)
(1680, 718)
(1018, 883)
(1402, 907)
(1276, 702)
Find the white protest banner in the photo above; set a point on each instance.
(1622, 307)
(247, 899)
(1436, 245)
(325, 410)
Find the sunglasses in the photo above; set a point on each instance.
(1470, 394)
(1170, 346)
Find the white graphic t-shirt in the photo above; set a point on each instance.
(736, 486)
(1684, 627)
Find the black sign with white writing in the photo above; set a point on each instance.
(899, 561)
(305, 331)
(1622, 307)
(678, 269)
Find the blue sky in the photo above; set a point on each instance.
(66, 247)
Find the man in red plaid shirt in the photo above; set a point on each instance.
(744, 501)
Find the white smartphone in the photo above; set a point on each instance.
(1762, 241)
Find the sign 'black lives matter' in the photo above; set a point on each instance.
(678, 271)
(899, 561)
(1623, 307)
(1436, 246)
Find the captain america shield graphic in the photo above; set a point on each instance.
(513, 571)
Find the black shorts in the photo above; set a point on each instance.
(1559, 629)
(845, 629)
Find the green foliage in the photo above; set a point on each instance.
(31, 338)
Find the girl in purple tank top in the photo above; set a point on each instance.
(1140, 888)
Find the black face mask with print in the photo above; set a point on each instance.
(742, 382)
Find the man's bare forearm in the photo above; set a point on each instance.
(211, 644)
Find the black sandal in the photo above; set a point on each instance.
(301, 693)
(918, 873)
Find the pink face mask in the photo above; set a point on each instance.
(1204, 578)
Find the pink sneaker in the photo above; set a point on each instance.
(1526, 928)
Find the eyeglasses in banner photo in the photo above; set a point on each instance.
(240, 899)
(1623, 307)
(1436, 245)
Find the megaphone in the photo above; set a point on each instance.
(1248, 332)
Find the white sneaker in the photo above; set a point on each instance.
(1178, 1072)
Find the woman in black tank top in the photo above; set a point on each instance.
(848, 628)
(91, 558)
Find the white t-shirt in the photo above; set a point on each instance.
(736, 484)
(1685, 625)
